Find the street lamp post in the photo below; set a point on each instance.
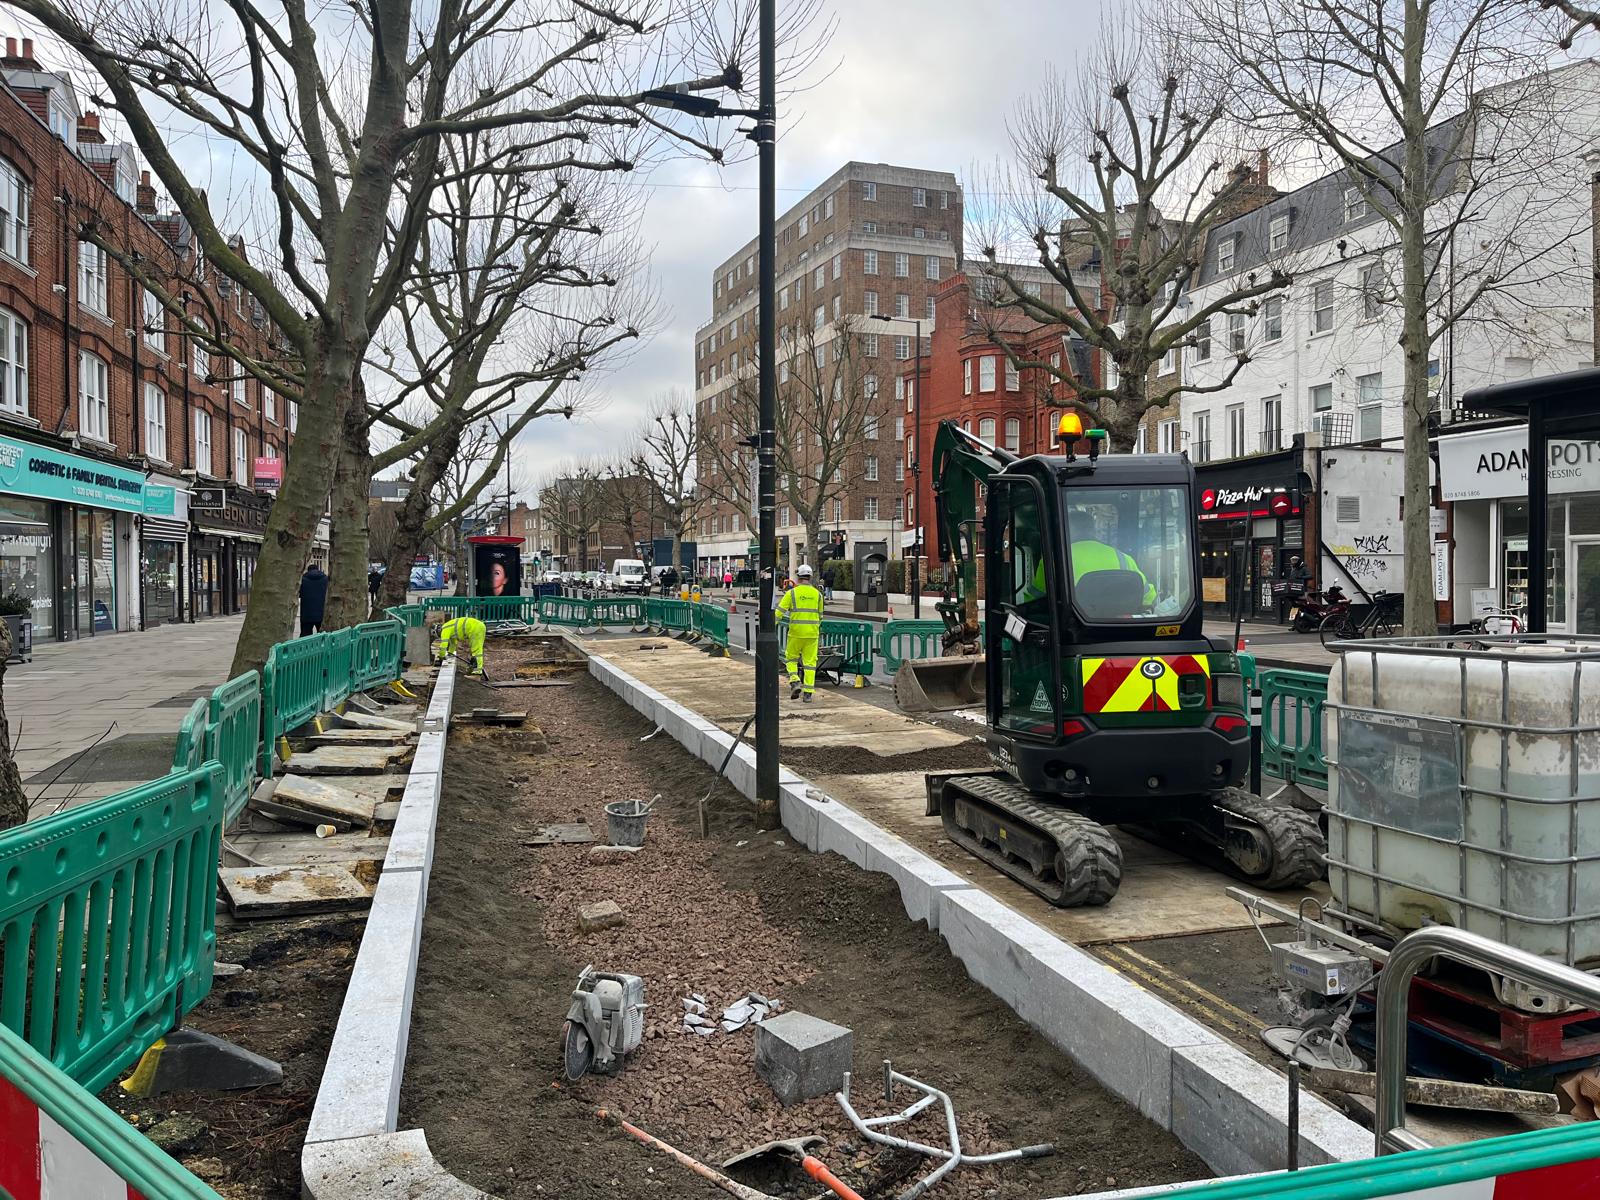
(916, 467)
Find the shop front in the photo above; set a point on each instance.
(163, 553)
(1483, 474)
(67, 526)
(1251, 526)
(227, 525)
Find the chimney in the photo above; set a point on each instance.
(144, 197)
(27, 49)
(1261, 167)
(25, 58)
(11, 47)
(89, 129)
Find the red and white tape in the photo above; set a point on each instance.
(1572, 1180)
(39, 1160)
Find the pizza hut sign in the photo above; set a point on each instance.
(1259, 499)
(1226, 497)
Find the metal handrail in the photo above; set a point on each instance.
(1410, 954)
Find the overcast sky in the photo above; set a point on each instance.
(918, 83)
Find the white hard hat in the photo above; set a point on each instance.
(804, 572)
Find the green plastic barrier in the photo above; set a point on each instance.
(1411, 1175)
(190, 751)
(412, 616)
(618, 612)
(375, 654)
(855, 638)
(677, 615)
(566, 611)
(233, 737)
(900, 640)
(488, 609)
(107, 922)
(1291, 726)
(293, 688)
(28, 1080)
(711, 620)
(336, 672)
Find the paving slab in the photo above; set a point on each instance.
(346, 760)
(309, 850)
(278, 891)
(360, 737)
(320, 797)
(360, 720)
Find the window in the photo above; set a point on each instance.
(15, 202)
(783, 296)
(237, 389)
(827, 209)
(838, 309)
(869, 262)
(1013, 377)
(899, 428)
(869, 508)
(899, 387)
(869, 190)
(838, 507)
(819, 277)
(1200, 443)
(13, 363)
(241, 456)
(202, 442)
(944, 199)
(1322, 306)
(911, 394)
(1167, 437)
(804, 224)
(986, 429)
(94, 411)
(906, 508)
(785, 522)
(1169, 361)
(917, 231)
(838, 265)
(1355, 204)
(294, 414)
(202, 360)
(1139, 441)
(927, 310)
(92, 278)
(869, 392)
(1235, 418)
(902, 349)
(783, 372)
(871, 467)
(869, 345)
(1271, 423)
(155, 320)
(1151, 527)
(1321, 397)
(1236, 333)
(1225, 248)
(1371, 416)
(902, 304)
(932, 266)
(869, 303)
(899, 470)
(1369, 397)
(869, 227)
(1371, 292)
(1013, 434)
(919, 197)
(1202, 340)
(1278, 233)
(986, 373)
(155, 422)
(819, 316)
(902, 266)
(1272, 318)
(269, 404)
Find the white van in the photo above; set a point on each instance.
(629, 575)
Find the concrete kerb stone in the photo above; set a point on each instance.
(1218, 1101)
(429, 756)
(398, 1166)
(411, 842)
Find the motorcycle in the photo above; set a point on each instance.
(1313, 607)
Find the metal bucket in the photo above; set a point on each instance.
(625, 821)
(939, 684)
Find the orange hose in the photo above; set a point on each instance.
(815, 1168)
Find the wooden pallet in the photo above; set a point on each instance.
(1467, 1012)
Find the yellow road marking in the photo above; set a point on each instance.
(1165, 980)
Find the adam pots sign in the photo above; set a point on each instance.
(1494, 463)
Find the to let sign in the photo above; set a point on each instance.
(269, 474)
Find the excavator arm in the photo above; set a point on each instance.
(962, 464)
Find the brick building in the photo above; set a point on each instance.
(864, 252)
(134, 465)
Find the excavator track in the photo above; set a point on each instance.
(1062, 855)
(1298, 847)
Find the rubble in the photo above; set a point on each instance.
(602, 914)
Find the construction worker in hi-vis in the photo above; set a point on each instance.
(801, 610)
(463, 633)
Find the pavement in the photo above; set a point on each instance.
(101, 714)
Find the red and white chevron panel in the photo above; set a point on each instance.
(1569, 1181)
(39, 1160)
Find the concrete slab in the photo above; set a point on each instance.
(307, 849)
(346, 760)
(360, 737)
(279, 891)
(322, 798)
(388, 1166)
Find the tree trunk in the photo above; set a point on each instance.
(13, 800)
(292, 523)
(1421, 617)
(411, 523)
(349, 558)
(813, 538)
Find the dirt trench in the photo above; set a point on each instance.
(741, 911)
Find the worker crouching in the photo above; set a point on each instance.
(462, 633)
(801, 610)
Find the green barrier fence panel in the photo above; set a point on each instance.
(1414, 1174)
(855, 638)
(29, 1082)
(190, 751)
(565, 611)
(618, 612)
(336, 675)
(233, 738)
(712, 622)
(900, 640)
(107, 922)
(1291, 726)
(375, 659)
(677, 615)
(654, 611)
(412, 616)
(293, 687)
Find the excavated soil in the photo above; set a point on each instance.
(858, 760)
(741, 911)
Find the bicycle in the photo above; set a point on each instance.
(1380, 620)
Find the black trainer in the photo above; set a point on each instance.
(794, 691)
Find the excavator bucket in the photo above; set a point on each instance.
(939, 684)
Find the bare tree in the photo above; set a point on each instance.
(627, 501)
(570, 505)
(667, 456)
(1134, 177)
(331, 109)
(827, 396)
(1442, 120)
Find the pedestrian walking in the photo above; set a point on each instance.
(374, 582)
(313, 599)
(801, 610)
(727, 580)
